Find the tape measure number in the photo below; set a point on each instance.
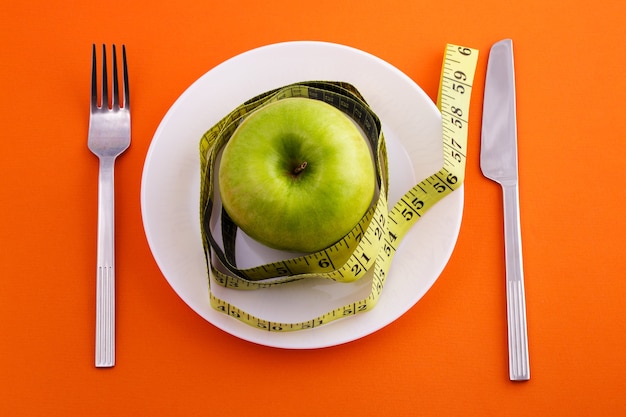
(371, 245)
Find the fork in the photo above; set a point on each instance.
(109, 136)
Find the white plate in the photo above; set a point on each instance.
(170, 192)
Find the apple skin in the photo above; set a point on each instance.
(297, 175)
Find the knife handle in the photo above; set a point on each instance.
(519, 368)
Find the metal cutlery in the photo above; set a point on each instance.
(498, 162)
(109, 136)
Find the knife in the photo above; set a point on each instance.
(498, 162)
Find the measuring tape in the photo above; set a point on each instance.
(373, 242)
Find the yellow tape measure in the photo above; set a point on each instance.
(372, 243)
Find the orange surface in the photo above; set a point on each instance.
(447, 355)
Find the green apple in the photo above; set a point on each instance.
(297, 175)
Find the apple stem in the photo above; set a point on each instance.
(297, 170)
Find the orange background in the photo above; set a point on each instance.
(448, 354)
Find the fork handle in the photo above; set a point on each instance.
(519, 368)
(105, 274)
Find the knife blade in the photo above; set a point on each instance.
(498, 162)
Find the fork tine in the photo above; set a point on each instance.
(105, 91)
(125, 86)
(94, 79)
(115, 101)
